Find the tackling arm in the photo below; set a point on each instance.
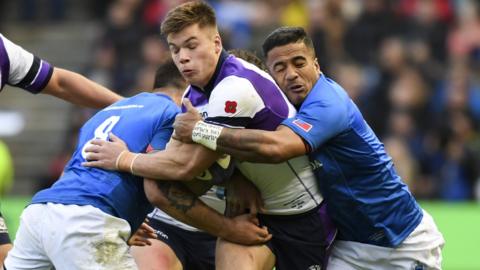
(244, 144)
(179, 161)
(261, 146)
(181, 203)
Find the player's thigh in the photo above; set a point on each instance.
(84, 237)
(202, 246)
(234, 256)
(158, 256)
(28, 252)
(422, 247)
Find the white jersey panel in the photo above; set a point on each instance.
(287, 188)
(20, 61)
(238, 90)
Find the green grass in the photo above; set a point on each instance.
(460, 226)
(11, 208)
(459, 223)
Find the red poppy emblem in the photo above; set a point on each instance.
(230, 106)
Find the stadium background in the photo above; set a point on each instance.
(412, 66)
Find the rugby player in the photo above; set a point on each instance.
(380, 225)
(20, 68)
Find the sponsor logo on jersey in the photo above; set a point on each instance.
(161, 234)
(302, 124)
(314, 267)
(230, 106)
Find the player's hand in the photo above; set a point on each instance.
(185, 122)
(245, 230)
(103, 154)
(242, 196)
(142, 235)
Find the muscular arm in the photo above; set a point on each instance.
(177, 200)
(180, 202)
(79, 90)
(179, 161)
(261, 146)
(244, 144)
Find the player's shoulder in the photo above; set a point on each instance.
(2, 38)
(153, 98)
(248, 70)
(234, 82)
(144, 100)
(235, 88)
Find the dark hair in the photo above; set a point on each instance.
(168, 74)
(286, 35)
(188, 14)
(248, 56)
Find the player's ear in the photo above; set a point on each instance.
(317, 65)
(218, 43)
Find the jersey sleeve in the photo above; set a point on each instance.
(318, 122)
(234, 102)
(22, 69)
(164, 129)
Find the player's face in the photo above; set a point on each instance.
(195, 52)
(295, 69)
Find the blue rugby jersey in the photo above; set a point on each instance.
(143, 120)
(365, 196)
(22, 69)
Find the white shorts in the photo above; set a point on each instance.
(70, 237)
(421, 250)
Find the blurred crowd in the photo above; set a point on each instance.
(412, 66)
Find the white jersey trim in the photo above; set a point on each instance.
(20, 61)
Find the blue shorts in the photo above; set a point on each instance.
(4, 238)
(195, 250)
(300, 241)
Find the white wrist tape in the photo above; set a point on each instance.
(206, 134)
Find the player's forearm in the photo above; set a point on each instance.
(79, 90)
(182, 204)
(161, 166)
(178, 162)
(249, 145)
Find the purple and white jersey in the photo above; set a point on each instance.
(240, 95)
(22, 69)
